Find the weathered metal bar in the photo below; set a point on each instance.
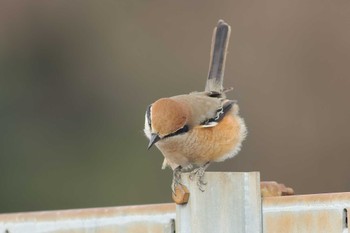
(326, 213)
(137, 219)
(227, 202)
(231, 203)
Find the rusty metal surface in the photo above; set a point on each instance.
(138, 219)
(306, 213)
(273, 189)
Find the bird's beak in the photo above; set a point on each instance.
(154, 138)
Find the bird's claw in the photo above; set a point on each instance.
(173, 186)
(193, 173)
(199, 172)
(176, 179)
(201, 185)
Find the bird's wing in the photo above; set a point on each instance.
(220, 113)
(206, 109)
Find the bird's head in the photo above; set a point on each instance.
(165, 118)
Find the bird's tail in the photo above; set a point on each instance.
(219, 44)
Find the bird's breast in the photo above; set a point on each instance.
(201, 145)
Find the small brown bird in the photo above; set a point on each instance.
(201, 127)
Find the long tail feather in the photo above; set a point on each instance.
(221, 36)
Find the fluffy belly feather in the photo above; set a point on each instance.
(202, 145)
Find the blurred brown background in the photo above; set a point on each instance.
(76, 77)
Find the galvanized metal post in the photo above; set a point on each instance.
(231, 203)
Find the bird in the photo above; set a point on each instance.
(193, 130)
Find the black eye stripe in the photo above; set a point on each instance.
(180, 131)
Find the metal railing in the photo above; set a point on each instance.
(231, 203)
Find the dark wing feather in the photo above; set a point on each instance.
(220, 113)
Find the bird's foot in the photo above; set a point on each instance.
(201, 183)
(193, 173)
(176, 178)
(200, 172)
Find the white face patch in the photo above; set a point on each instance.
(147, 129)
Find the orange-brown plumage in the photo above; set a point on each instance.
(223, 137)
(168, 116)
(201, 127)
(205, 144)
